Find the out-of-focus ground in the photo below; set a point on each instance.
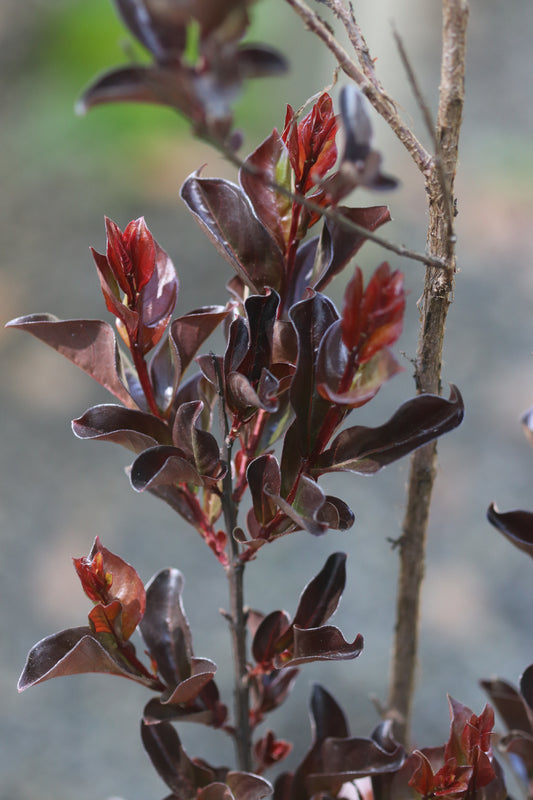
(78, 737)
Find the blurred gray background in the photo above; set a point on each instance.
(78, 737)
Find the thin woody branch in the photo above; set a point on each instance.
(434, 306)
(377, 97)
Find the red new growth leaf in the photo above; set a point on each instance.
(373, 319)
(95, 581)
(477, 733)
(269, 751)
(106, 577)
(449, 780)
(138, 282)
(311, 143)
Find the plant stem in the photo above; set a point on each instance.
(434, 304)
(235, 571)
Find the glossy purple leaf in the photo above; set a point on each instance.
(223, 211)
(321, 596)
(133, 429)
(418, 421)
(200, 447)
(304, 510)
(261, 312)
(72, 652)
(179, 501)
(245, 786)
(269, 163)
(142, 84)
(325, 643)
(164, 466)
(517, 526)
(509, 703)
(172, 763)
(270, 630)
(270, 690)
(264, 473)
(311, 318)
(88, 343)
(345, 760)
(190, 331)
(165, 628)
(327, 716)
(336, 514)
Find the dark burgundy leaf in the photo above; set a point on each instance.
(186, 692)
(273, 689)
(270, 630)
(244, 400)
(199, 447)
(348, 759)
(224, 213)
(142, 84)
(320, 644)
(246, 786)
(162, 466)
(327, 716)
(88, 343)
(133, 429)
(336, 513)
(155, 712)
(215, 791)
(172, 763)
(179, 500)
(260, 169)
(322, 594)
(263, 472)
(190, 331)
(165, 372)
(237, 346)
(165, 628)
(517, 526)
(261, 312)
(509, 704)
(304, 511)
(72, 652)
(416, 422)
(311, 318)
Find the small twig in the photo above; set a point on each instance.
(355, 35)
(430, 127)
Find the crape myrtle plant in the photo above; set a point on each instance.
(236, 442)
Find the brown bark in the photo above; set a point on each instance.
(434, 304)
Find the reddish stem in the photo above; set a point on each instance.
(144, 380)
